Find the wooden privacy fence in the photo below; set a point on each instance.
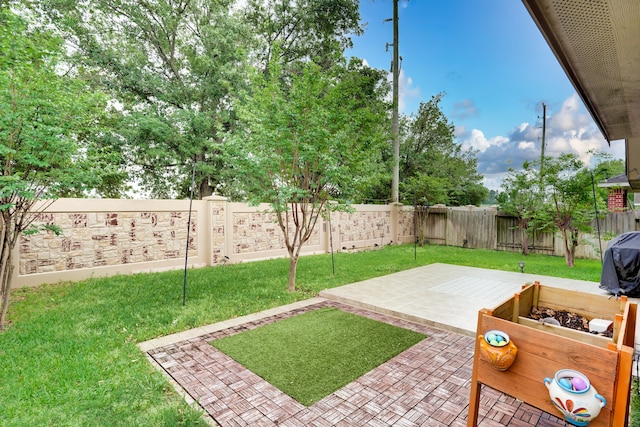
(486, 228)
(105, 237)
(509, 237)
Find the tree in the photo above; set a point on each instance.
(491, 198)
(607, 167)
(44, 119)
(569, 203)
(432, 166)
(173, 67)
(305, 140)
(521, 198)
(316, 30)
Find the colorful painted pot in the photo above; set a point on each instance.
(497, 349)
(574, 396)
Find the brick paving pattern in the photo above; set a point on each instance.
(426, 385)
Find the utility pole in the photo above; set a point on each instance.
(544, 132)
(395, 66)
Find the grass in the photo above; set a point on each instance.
(311, 355)
(635, 404)
(69, 357)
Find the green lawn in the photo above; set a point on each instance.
(70, 358)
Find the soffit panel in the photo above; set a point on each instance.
(597, 42)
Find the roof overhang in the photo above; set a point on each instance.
(597, 42)
(614, 185)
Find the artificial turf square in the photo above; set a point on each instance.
(311, 355)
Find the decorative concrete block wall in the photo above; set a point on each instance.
(406, 225)
(252, 232)
(256, 232)
(366, 227)
(98, 239)
(217, 211)
(106, 237)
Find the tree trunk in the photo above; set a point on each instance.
(525, 242)
(573, 246)
(569, 249)
(205, 189)
(6, 272)
(293, 264)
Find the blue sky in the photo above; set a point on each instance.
(495, 69)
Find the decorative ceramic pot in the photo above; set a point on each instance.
(497, 349)
(572, 393)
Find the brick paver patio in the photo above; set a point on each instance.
(427, 385)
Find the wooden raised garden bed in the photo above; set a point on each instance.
(544, 349)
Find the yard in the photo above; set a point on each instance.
(69, 357)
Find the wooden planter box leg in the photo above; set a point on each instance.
(476, 386)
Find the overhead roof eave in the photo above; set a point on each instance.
(597, 43)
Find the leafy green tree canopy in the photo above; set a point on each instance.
(558, 198)
(433, 167)
(521, 197)
(295, 30)
(569, 200)
(172, 66)
(46, 120)
(305, 141)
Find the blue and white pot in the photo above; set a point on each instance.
(572, 393)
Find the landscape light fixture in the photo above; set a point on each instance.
(521, 265)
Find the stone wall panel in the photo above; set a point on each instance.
(98, 239)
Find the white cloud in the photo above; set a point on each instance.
(569, 130)
(571, 117)
(406, 91)
(477, 141)
(526, 146)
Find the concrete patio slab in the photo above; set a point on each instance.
(443, 295)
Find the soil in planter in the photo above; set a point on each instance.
(566, 319)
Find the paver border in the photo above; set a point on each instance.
(428, 384)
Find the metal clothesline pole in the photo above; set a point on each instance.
(186, 252)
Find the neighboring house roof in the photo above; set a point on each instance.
(618, 181)
(597, 42)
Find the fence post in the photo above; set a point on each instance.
(396, 217)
